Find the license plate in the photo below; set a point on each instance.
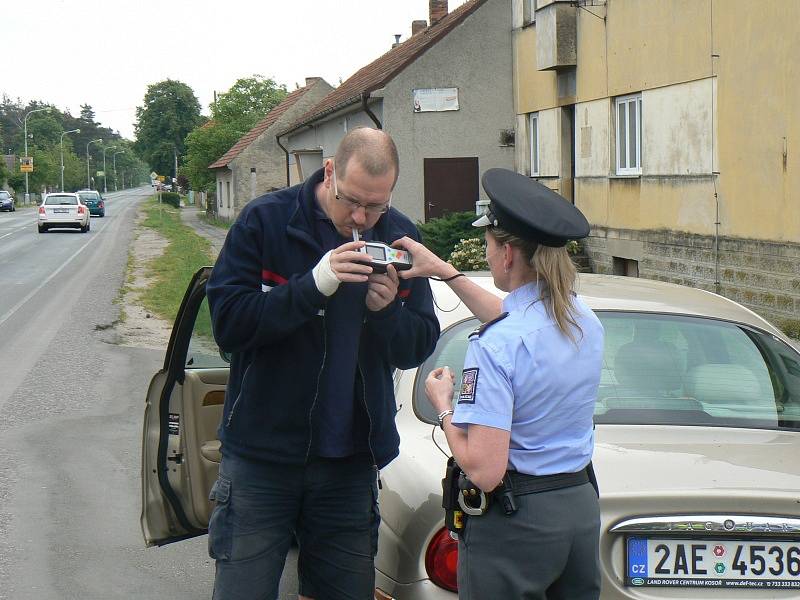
(60, 210)
(670, 562)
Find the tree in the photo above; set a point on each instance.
(87, 113)
(247, 101)
(203, 146)
(234, 113)
(170, 112)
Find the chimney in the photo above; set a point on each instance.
(417, 26)
(396, 40)
(437, 10)
(311, 81)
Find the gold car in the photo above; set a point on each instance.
(697, 433)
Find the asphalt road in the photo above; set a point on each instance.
(71, 405)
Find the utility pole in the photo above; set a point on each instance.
(25, 133)
(61, 143)
(88, 179)
(105, 177)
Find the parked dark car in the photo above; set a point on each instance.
(7, 201)
(94, 202)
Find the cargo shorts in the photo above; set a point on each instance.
(330, 506)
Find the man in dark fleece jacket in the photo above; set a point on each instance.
(309, 410)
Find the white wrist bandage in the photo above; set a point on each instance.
(324, 277)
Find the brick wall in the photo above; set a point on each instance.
(762, 275)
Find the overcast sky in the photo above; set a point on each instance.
(106, 52)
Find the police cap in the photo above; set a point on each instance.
(526, 208)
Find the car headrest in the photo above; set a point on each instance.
(723, 384)
(649, 367)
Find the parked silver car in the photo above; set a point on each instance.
(697, 434)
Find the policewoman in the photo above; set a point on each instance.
(521, 427)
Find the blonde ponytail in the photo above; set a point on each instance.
(553, 267)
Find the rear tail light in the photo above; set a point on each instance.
(41, 210)
(441, 560)
(102, 205)
(81, 209)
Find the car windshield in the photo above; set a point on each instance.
(4, 195)
(88, 198)
(60, 200)
(673, 370)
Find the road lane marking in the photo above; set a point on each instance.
(33, 292)
(20, 228)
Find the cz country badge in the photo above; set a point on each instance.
(469, 381)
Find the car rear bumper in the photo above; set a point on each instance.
(417, 590)
(63, 223)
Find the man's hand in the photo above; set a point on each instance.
(382, 289)
(348, 264)
(344, 263)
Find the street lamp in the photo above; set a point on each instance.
(115, 167)
(25, 127)
(105, 187)
(61, 143)
(88, 181)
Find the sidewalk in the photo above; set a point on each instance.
(190, 215)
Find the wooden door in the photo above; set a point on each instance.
(451, 185)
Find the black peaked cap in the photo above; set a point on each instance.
(530, 210)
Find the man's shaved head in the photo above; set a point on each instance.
(372, 148)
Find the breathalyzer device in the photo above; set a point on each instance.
(384, 255)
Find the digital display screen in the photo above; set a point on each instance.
(376, 252)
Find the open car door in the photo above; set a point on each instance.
(180, 450)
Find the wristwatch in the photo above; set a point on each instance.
(440, 417)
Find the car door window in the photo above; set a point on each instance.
(203, 350)
(450, 352)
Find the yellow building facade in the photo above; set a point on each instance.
(674, 126)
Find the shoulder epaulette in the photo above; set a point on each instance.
(484, 326)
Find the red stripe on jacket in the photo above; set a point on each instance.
(271, 277)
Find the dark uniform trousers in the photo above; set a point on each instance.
(547, 550)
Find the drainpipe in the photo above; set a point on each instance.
(286, 152)
(364, 98)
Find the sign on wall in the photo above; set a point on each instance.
(435, 99)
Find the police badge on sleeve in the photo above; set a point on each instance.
(469, 381)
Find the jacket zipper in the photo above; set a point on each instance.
(319, 377)
(366, 408)
(239, 396)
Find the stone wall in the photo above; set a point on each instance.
(762, 275)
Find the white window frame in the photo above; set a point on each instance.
(530, 12)
(533, 143)
(629, 158)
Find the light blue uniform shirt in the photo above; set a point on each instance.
(523, 375)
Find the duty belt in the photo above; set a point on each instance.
(523, 484)
(461, 497)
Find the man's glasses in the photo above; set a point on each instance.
(353, 205)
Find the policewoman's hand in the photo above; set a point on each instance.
(382, 289)
(439, 388)
(424, 262)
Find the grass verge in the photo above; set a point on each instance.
(185, 253)
(215, 221)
